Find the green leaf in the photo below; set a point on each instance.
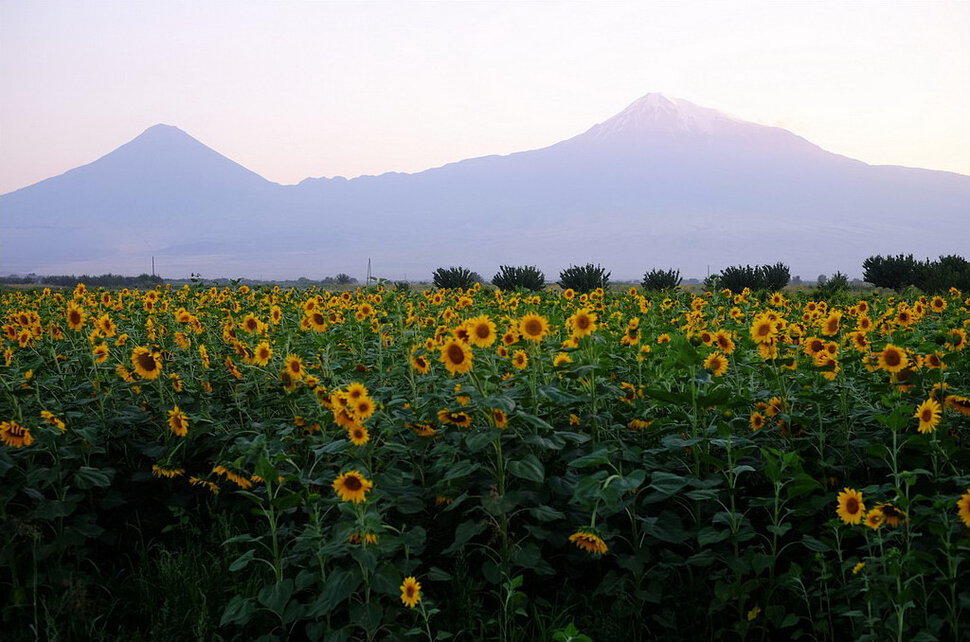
(666, 483)
(242, 561)
(88, 477)
(710, 535)
(464, 532)
(595, 458)
(238, 611)
(275, 596)
(529, 468)
(546, 514)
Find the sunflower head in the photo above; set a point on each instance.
(352, 486)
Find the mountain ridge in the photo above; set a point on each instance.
(686, 185)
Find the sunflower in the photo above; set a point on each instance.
(717, 363)
(893, 359)
(52, 419)
(262, 354)
(178, 422)
(891, 515)
(963, 508)
(481, 331)
(500, 418)
(100, 353)
(757, 421)
(316, 321)
(362, 408)
(874, 519)
(352, 487)
(958, 339)
(410, 592)
(462, 419)
(959, 403)
(850, 508)
(724, 341)
(358, 435)
(583, 323)
(293, 366)
(75, 316)
(533, 327)
(764, 330)
(15, 435)
(589, 542)
(561, 359)
(830, 327)
(169, 473)
(520, 360)
(420, 364)
(147, 364)
(928, 414)
(457, 357)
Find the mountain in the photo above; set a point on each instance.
(663, 183)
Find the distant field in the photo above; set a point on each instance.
(371, 463)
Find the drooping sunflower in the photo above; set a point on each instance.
(410, 592)
(583, 323)
(481, 331)
(959, 403)
(892, 358)
(717, 363)
(419, 363)
(352, 486)
(147, 364)
(963, 508)
(15, 435)
(891, 515)
(457, 357)
(533, 327)
(178, 422)
(928, 414)
(461, 419)
(589, 542)
(850, 508)
(100, 352)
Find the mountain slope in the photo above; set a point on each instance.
(662, 183)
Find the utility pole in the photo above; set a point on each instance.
(153, 266)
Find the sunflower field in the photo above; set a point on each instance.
(267, 464)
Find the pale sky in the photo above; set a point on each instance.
(296, 89)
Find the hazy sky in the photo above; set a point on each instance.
(297, 89)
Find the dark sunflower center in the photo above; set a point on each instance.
(482, 331)
(353, 483)
(146, 361)
(852, 506)
(455, 354)
(74, 317)
(927, 415)
(533, 327)
(891, 357)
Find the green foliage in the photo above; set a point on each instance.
(937, 277)
(584, 278)
(454, 277)
(893, 272)
(834, 286)
(661, 279)
(760, 277)
(526, 277)
(775, 277)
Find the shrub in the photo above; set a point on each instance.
(661, 279)
(828, 288)
(760, 277)
(526, 277)
(454, 277)
(893, 272)
(585, 278)
(936, 277)
(775, 277)
(737, 277)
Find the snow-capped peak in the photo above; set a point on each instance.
(656, 113)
